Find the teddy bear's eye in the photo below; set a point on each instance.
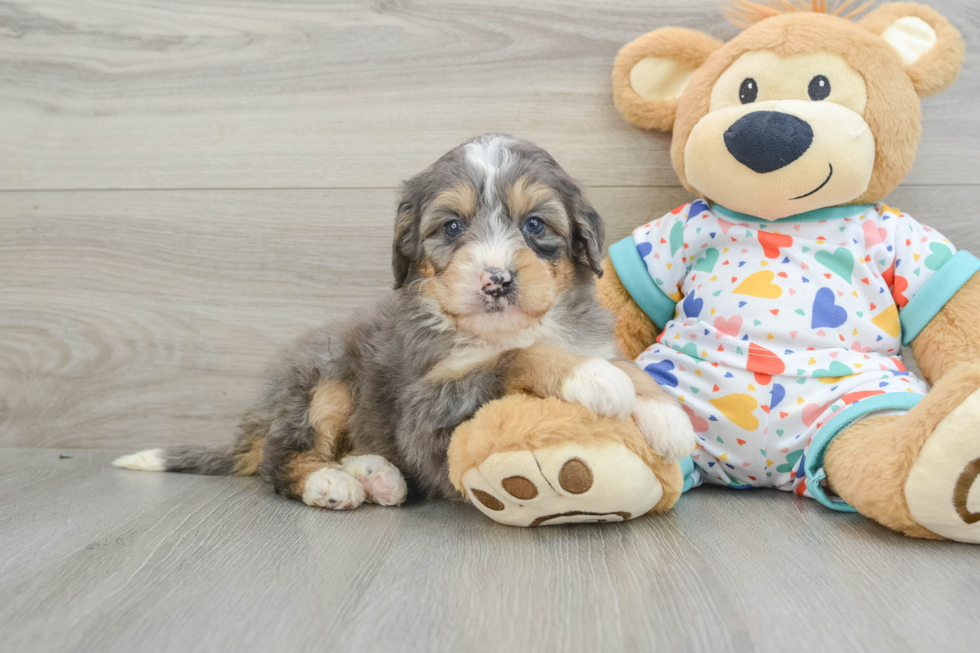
(819, 88)
(748, 91)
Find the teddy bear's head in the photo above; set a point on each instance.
(802, 110)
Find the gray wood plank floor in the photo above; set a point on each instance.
(98, 559)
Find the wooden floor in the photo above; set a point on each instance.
(98, 559)
(187, 185)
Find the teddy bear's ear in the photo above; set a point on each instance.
(651, 72)
(931, 49)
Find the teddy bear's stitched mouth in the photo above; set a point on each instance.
(818, 187)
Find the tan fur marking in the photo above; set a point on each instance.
(330, 409)
(247, 461)
(521, 423)
(537, 370)
(426, 270)
(526, 195)
(869, 463)
(538, 282)
(635, 331)
(951, 337)
(459, 199)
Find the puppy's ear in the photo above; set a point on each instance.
(651, 73)
(405, 248)
(931, 49)
(588, 229)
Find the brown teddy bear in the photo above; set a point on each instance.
(775, 307)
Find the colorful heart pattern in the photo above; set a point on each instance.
(759, 284)
(780, 326)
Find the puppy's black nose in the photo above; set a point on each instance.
(497, 282)
(768, 140)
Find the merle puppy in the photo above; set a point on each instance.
(495, 256)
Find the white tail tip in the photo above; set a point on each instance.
(150, 460)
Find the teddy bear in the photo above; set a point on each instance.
(774, 307)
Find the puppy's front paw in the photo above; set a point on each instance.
(329, 487)
(666, 427)
(601, 387)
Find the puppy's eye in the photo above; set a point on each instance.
(819, 88)
(453, 228)
(748, 91)
(533, 226)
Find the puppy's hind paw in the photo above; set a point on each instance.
(332, 488)
(382, 482)
(666, 427)
(601, 387)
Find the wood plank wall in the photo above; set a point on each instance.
(187, 185)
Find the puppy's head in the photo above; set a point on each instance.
(494, 232)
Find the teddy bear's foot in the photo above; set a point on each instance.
(528, 461)
(943, 488)
(563, 484)
(917, 473)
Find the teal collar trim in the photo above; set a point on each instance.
(632, 271)
(827, 213)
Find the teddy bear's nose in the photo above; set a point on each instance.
(768, 140)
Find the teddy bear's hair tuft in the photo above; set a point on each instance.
(744, 13)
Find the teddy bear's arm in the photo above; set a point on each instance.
(635, 331)
(953, 335)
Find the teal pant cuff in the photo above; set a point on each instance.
(813, 465)
(692, 477)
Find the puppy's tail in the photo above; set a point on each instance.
(240, 459)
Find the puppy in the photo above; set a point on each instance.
(495, 256)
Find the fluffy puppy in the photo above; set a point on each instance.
(495, 256)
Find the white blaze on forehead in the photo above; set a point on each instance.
(488, 156)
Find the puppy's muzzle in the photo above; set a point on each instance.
(497, 282)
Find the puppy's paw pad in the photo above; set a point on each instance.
(332, 488)
(382, 482)
(666, 427)
(601, 387)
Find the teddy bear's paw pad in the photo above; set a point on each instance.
(331, 488)
(943, 487)
(382, 482)
(568, 483)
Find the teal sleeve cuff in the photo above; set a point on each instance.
(935, 293)
(813, 464)
(632, 271)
